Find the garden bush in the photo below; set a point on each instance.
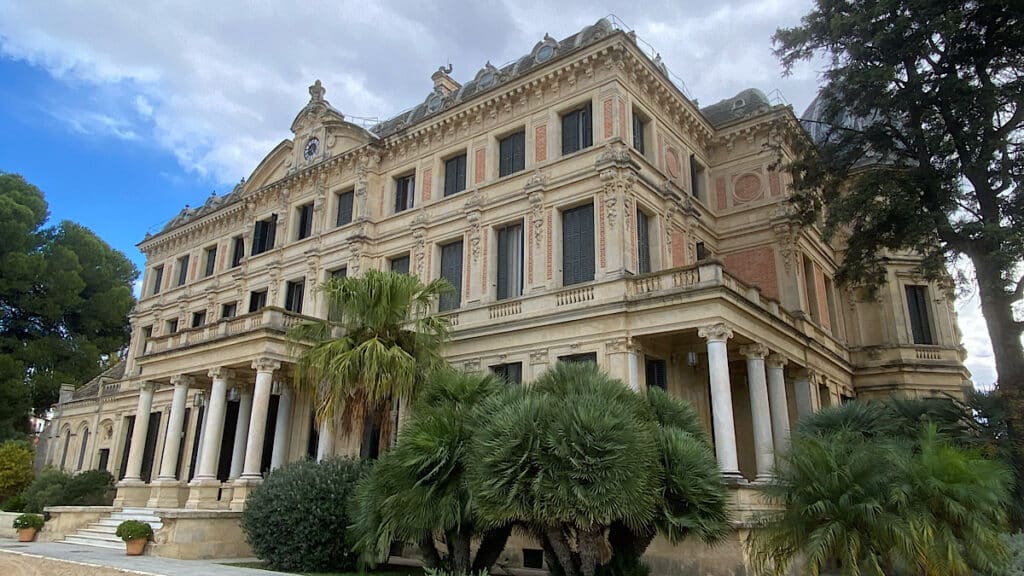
(53, 487)
(15, 468)
(297, 520)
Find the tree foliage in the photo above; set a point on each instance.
(64, 299)
(379, 342)
(875, 488)
(15, 468)
(419, 491)
(923, 110)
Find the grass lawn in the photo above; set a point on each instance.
(379, 571)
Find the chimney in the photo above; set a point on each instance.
(66, 392)
(443, 83)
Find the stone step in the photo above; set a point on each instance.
(87, 537)
(105, 531)
(116, 545)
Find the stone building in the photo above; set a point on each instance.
(585, 209)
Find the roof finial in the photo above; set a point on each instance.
(316, 92)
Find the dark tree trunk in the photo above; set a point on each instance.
(560, 547)
(458, 550)
(624, 541)
(588, 543)
(1005, 333)
(431, 557)
(491, 546)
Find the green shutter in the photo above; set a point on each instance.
(578, 245)
(586, 127)
(451, 270)
(643, 243)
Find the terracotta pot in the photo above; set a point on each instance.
(135, 547)
(26, 534)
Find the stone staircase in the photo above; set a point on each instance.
(101, 534)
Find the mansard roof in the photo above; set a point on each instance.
(490, 77)
(747, 103)
(92, 387)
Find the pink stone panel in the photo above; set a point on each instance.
(540, 139)
(428, 183)
(819, 286)
(756, 267)
(193, 266)
(608, 126)
(720, 197)
(622, 119)
(551, 241)
(775, 184)
(481, 165)
(678, 248)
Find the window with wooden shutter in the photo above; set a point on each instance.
(643, 242)
(257, 300)
(578, 245)
(917, 306)
(237, 251)
(696, 177)
(158, 279)
(512, 154)
(211, 260)
(511, 372)
(345, 208)
(263, 235)
(182, 270)
(405, 192)
(510, 261)
(451, 270)
(639, 129)
(305, 221)
(657, 373)
(400, 264)
(229, 310)
(577, 130)
(455, 175)
(198, 318)
(293, 296)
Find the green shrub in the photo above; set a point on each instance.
(296, 520)
(15, 503)
(28, 521)
(133, 530)
(53, 487)
(15, 468)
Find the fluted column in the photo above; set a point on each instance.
(325, 444)
(721, 398)
(241, 434)
(175, 424)
(282, 428)
(258, 421)
(142, 410)
(760, 413)
(776, 367)
(213, 428)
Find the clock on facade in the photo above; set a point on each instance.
(312, 147)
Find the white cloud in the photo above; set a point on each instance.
(217, 84)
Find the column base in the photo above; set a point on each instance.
(734, 479)
(131, 493)
(204, 494)
(240, 489)
(762, 479)
(166, 494)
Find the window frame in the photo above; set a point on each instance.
(340, 201)
(582, 133)
(641, 121)
(453, 185)
(198, 319)
(919, 314)
(183, 262)
(398, 258)
(502, 371)
(508, 166)
(260, 296)
(581, 276)
(211, 261)
(500, 290)
(304, 221)
(698, 178)
(237, 251)
(226, 307)
(158, 279)
(294, 295)
(452, 300)
(264, 235)
(405, 182)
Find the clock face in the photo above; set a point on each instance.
(312, 147)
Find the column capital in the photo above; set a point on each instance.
(777, 360)
(805, 373)
(756, 350)
(221, 373)
(266, 365)
(147, 386)
(719, 332)
(182, 380)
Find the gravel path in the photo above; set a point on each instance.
(19, 565)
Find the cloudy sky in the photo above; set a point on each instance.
(123, 112)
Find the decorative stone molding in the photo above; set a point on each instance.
(221, 372)
(537, 217)
(182, 380)
(266, 365)
(539, 356)
(474, 235)
(471, 365)
(616, 183)
(776, 359)
(756, 350)
(719, 332)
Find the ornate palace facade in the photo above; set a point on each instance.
(585, 209)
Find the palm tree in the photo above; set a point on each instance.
(379, 340)
(419, 491)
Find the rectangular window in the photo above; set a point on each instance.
(811, 289)
(510, 261)
(702, 251)
(147, 332)
(643, 242)
(345, 207)
(455, 175)
(696, 177)
(400, 264)
(229, 310)
(305, 221)
(451, 270)
(512, 154)
(587, 357)
(172, 326)
(657, 375)
(917, 305)
(405, 192)
(198, 318)
(263, 235)
(511, 372)
(639, 131)
(158, 279)
(257, 300)
(339, 273)
(577, 130)
(211, 260)
(578, 245)
(182, 270)
(293, 296)
(237, 251)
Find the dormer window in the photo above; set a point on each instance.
(738, 103)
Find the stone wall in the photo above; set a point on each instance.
(200, 534)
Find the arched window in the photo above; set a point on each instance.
(67, 443)
(81, 451)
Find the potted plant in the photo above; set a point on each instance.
(135, 534)
(27, 525)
